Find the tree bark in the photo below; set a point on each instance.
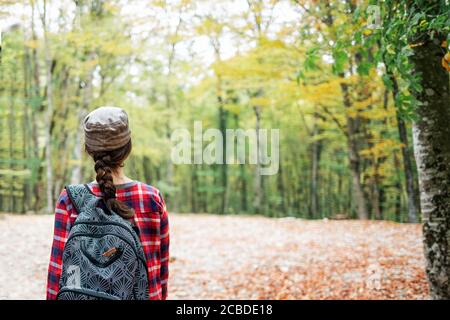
(48, 137)
(12, 135)
(49, 114)
(224, 167)
(242, 177)
(411, 191)
(399, 190)
(315, 152)
(354, 159)
(194, 187)
(171, 196)
(432, 152)
(77, 174)
(409, 174)
(36, 93)
(281, 210)
(257, 200)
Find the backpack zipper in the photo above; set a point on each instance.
(88, 292)
(99, 264)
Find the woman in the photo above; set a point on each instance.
(108, 142)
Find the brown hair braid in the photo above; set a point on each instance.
(106, 162)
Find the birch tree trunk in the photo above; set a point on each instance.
(77, 174)
(170, 198)
(49, 114)
(431, 135)
(36, 93)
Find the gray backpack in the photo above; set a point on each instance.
(103, 257)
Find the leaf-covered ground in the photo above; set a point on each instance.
(241, 257)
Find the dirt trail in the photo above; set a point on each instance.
(244, 257)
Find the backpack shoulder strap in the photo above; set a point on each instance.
(79, 195)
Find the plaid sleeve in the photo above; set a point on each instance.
(165, 239)
(61, 226)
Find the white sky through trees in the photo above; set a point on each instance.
(150, 24)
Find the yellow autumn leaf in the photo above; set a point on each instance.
(367, 32)
(423, 23)
(260, 101)
(32, 44)
(445, 62)
(413, 45)
(447, 57)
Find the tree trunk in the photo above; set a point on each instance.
(409, 175)
(194, 187)
(243, 188)
(12, 135)
(376, 197)
(77, 174)
(224, 166)
(146, 166)
(315, 159)
(171, 196)
(340, 195)
(48, 143)
(432, 151)
(399, 191)
(354, 159)
(257, 200)
(48, 119)
(281, 210)
(63, 152)
(27, 188)
(242, 177)
(410, 184)
(36, 92)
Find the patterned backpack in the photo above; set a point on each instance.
(103, 257)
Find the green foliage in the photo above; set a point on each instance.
(169, 65)
(406, 24)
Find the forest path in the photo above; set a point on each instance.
(248, 257)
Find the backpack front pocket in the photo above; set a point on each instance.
(101, 258)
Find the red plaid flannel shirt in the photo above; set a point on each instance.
(150, 217)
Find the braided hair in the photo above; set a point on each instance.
(106, 162)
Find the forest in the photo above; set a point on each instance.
(359, 90)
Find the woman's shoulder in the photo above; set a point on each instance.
(64, 205)
(147, 187)
(152, 195)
